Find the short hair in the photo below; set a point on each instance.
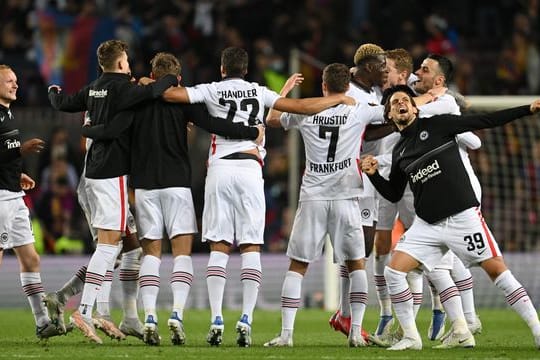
(164, 63)
(366, 52)
(5, 67)
(337, 77)
(387, 94)
(447, 69)
(109, 51)
(234, 61)
(402, 58)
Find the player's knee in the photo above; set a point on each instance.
(393, 276)
(494, 267)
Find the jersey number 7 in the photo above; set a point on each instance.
(334, 134)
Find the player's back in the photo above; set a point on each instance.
(234, 100)
(332, 140)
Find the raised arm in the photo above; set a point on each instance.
(454, 124)
(68, 103)
(310, 106)
(272, 119)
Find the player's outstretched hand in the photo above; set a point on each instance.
(293, 80)
(32, 146)
(369, 164)
(27, 182)
(535, 106)
(259, 140)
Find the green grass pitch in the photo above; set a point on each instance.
(505, 336)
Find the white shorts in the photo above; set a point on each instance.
(108, 203)
(15, 226)
(465, 233)
(82, 196)
(389, 211)
(336, 218)
(234, 205)
(368, 202)
(170, 209)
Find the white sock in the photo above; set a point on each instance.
(291, 293)
(380, 284)
(73, 286)
(33, 289)
(464, 282)
(416, 284)
(181, 280)
(435, 298)
(358, 296)
(104, 255)
(216, 277)
(450, 299)
(129, 280)
(251, 277)
(104, 293)
(518, 299)
(149, 281)
(402, 301)
(344, 289)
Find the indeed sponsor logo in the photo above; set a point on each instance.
(97, 93)
(13, 144)
(426, 173)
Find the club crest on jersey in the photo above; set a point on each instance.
(3, 238)
(366, 213)
(424, 135)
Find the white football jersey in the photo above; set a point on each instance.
(235, 100)
(332, 140)
(373, 98)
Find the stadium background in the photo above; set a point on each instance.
(494, 45)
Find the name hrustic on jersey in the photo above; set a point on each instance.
(330, 120)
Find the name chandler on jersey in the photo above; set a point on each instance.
(237, 94)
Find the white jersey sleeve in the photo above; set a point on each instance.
(234, 100)
(469, 140)
(445, 104)
(291, 121)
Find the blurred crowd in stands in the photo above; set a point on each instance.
(493, 43)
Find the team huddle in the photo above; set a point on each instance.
(381, 143)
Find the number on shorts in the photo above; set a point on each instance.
(475, 242)
(244, 103)
(334, 134)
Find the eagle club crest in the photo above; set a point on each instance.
(424, 135)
